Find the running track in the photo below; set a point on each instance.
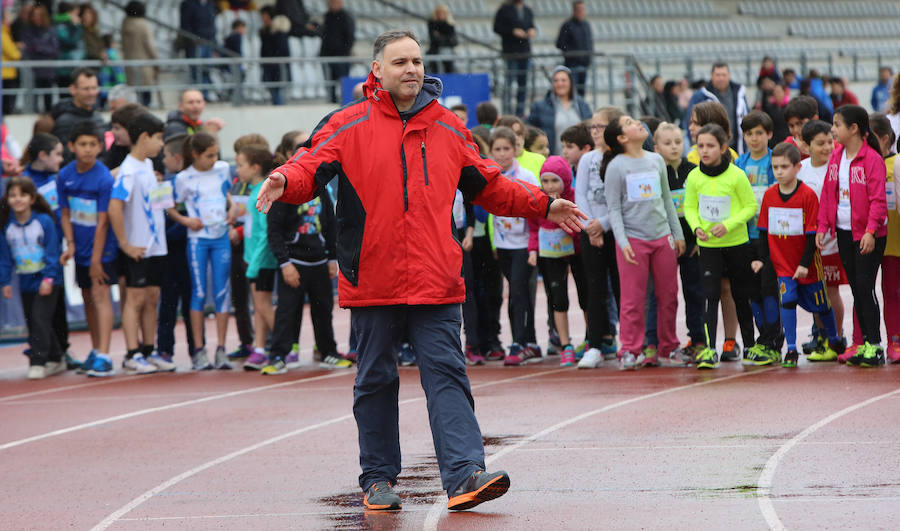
(661, 448)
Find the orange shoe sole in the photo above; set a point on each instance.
(373, 507)
(490, 491)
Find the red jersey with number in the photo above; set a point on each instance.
(788, 223)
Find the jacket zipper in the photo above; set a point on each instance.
(425, 163)
(403, 157)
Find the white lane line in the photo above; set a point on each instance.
(440, 505)
(94, 383)
(762, 444)
(130, 506)
(148, 411)
(259, 515)
(764, 485)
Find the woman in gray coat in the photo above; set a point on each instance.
(560, 109)
(138, 43)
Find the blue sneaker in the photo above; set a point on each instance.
(407, 356)
(609, 348)
(162, 362)
(242, 352)
(101, 366)
(87, 363)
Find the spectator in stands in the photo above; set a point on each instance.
(442, 38)
(731, 95)
(109, 75)
(814, 86)
(514, 22)
(881, 94)
(67, 24)
(893, 106)
(138, 43)
(655, 102)
(671, 98)
(235, 43)
(84, 90)
(791, 80)
(560, 109)
(273, 38)
(840, 94)
(773, 103)
(768, 70)
(188, 118)
(11, 52)
(577, 44)
(299, 17)
(22, 20)
(338, 32)
(41, 44)
(199, 17)
(90, 34)
(487, 114)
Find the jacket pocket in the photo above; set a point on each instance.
(351, 223)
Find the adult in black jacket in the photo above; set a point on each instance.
(577, 44)
(338, 35)
(514, 22)
(273, 38)
(302, 238)
(442, 36)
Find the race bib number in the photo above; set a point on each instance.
(759, 192)
(212, 211)
(678, 200)
(786, 221)
(50, 194)
(29, 258)
(555, 243)
(161, 197)
(891, 196)
(714, 208)
(83, 212)
(642, 186)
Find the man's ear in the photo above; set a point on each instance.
(376, 69)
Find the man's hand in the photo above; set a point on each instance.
(332, 269)
(193, 223)
(272, 188)
(718, 230)
(213, 125)
(628, 253)
(867, 244)
(291, 275)
(801, 272)
(135, 253)
(98, 276)
(7, 292)
(756, 265)
(701, 234)
(565, 214)
(520, 33)
(532, 258)
(532, 33)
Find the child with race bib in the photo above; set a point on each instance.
(648, 237)
(30, 247)
(204, 187)
(718, 203)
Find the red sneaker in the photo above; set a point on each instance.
(849, 353)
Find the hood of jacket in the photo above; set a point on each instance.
(560, 167)
(431, 90)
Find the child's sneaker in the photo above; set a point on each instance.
(826, 353)
(592, 359)
(731, 351)
(162, 364)
(36, 372)
(609, 348)
(87, 363)
(101, 367)
(757, 355)
(275, 367)
(71, 363)
(242, 352)
(567, 357)
(554, 345)
(473, 357)
(868, 356)
(627, 362)
(495, 353)
(200, 361)
(222, 360)
(790, 359)
(515, 355)
(335, 362)
(53, 368)
(138, 364)
(352, 356)
(648, 358)
(256, 361)
(708, 359)
(848, 353)
(893, 352)
(531, 354)
(407, 355)
(291, 361)
(581, 349)
(815, 344)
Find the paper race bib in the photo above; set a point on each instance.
(50, 194)
(212, 210)
(83, 212)
(241, 201)
(678, 199)
(29, 257)
(759, 192)
(642, 186)
(891, 196)
(459, 211)
(786, 221)
(555, 243)
(161, 197)
(844, 198)
(714, 208)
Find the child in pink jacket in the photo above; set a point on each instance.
(853, 205)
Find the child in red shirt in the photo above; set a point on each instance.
(788, 219)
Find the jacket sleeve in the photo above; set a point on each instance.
(329, 225)
(534, 228)
(6, 263)
(52, 269)
(581, 186)
(747, 200)
(691, 206)
(313, 165)
(875, 186)
(503, 25)
(614, 204)
(277, 222)
(470, 214)
(564, 39)
(481, 183)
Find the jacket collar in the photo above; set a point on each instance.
(431, 91)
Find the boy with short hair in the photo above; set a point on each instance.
(797, 112)
(136, 212)
(462, 111)
(84, 186)
(788, 220)
(576, 141)
(121, 144)
(757, 161)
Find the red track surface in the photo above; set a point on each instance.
(667, 448)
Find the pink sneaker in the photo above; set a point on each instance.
(515, 355)
(849, 353)
(893, 352)
(473, 357)
(567, 357)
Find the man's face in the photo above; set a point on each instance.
(84, 91)
(192, 104)
(335, 5)
(401, 70)
(579, 11)
(720, 78)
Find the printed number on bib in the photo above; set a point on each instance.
(714, 208)
(642, 186)
(786, 221)
(161, 197)
(555, 243)
(83, 212)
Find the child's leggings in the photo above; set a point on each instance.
(735, 263)
(861, 272)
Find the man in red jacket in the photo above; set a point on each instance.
(399, 157)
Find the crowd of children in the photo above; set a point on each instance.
(757, 235)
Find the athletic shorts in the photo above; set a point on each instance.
(121, 262)
(264, 281)
(810, 297)
(834, 270)
(83, 274)
(145, 273)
